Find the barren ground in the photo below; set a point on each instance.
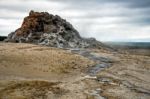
(35, 72)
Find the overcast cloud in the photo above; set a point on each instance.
(106, 20)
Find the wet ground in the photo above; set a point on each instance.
(101, 62)
(120, 74)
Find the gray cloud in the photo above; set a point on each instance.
(103, 19)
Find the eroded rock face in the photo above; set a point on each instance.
(47, 29)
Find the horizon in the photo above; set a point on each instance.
(117, 20)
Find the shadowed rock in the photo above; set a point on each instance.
(2, 38)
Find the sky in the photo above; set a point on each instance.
(105, 20)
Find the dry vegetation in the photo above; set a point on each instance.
(36, 72)
(33, 72)
(30, 90)
(30, 59)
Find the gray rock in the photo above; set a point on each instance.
(50, 30)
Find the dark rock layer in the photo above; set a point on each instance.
(46, 29)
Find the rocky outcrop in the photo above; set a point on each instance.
(51, 30)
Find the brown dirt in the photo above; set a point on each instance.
(35, 72)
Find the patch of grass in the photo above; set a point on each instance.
(31, 90)
(44, 59)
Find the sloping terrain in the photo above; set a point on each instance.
(36, 72)
(28, 59)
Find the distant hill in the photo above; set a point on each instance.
(136, 48)
(2, 38)
(129, 45)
